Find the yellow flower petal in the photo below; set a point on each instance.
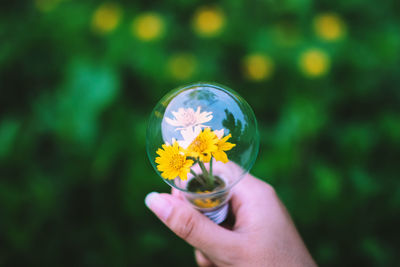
(203, 145)
(206, 203)
(172, 162)
(222, 146)
(220, 156)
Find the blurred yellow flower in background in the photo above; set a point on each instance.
(208, 21)
(148, 27)
(106, 18)
(314, 62)
(258, 67)
(182, 66)
(46, 5)
(329, 27)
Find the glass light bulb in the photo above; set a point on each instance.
(202, 139)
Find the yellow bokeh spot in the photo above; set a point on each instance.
(258, 67)
(208, 21)
(314, 62)
(329, 27)
(46, 5)
(182, 66)
(106, 18)
(148, 27)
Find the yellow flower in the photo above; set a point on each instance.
(329, 27)
(172, 162)
(203, 145)
(182, 66)
(189, 134)
(208, 21)
(106, 18)
(314, 63)
(222, 146)
(148, 27)
(258, 67)
(206, 202)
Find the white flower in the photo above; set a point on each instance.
(187, 118)
(219, 133)
(173, 141)
(189, 134)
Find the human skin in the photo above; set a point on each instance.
(263, 234)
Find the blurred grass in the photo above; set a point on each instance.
(79, 79)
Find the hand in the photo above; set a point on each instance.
(263, 233)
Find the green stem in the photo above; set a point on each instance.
(198, 178)
(194, 174)
(211, 169)
(203, 168)
(209, 180)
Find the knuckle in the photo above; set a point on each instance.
(266, 187)
(271, 193)
(270, 189)
(184, 225)
(263, 185)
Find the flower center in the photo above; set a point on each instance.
(177, 161)
(199, 145)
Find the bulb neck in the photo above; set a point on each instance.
(218, 215)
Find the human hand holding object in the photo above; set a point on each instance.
(263, 233)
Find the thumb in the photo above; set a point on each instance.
(189, 224)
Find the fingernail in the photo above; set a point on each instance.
(159, 205)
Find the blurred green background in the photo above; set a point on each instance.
(78, 80)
